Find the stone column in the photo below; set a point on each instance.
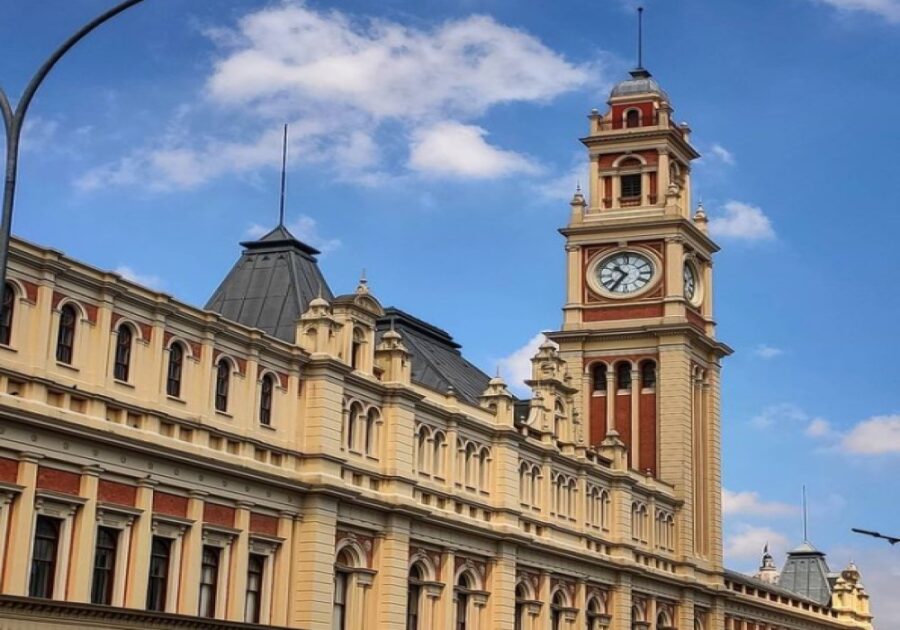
(581, 604)
(21, 525)
(281, 570)
(621, 604)
(84, 534)
(141, 543)
(392, 563)
(191, 557)
(312, 584)
(635, 418)
(503, 588)
(238, 558)
(543, 620)
(446, 603)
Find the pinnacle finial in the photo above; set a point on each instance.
(640, 51)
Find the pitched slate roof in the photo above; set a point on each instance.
(806, 573)
(271, 284)
(436, 359)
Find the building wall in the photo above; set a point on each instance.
(360, 476)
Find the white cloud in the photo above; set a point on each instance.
(560, 188)
(722, 154)
(779, 414)
(819, 428)
(878, 435)
(750, 503)
(742, 221)
(747, 542)
(341, 78)
(146, 280)
(39, 134)
(765, 351)
(888, 9)
(452, 149)
(305, 229)
(516, 367)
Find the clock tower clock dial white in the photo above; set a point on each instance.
(625, 273)
(690, 282)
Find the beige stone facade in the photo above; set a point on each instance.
(161, 465)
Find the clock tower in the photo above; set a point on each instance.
(638, 321)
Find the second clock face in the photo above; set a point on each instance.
(690, 282)
(624, 273)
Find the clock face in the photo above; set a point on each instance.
(624, 273)
(690, 282)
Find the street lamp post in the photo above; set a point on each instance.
(13, 120)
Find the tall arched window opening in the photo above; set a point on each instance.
(632, 118)
(223, 381)
(648, 374)
(6, 317)
(463, 589)
(65, 336)
(173, 373)
(556, 610)
(265, 400)
(122, 363)
(521, 598)
(599, 377)
(623, 376)
(414, 597)
(356, 349)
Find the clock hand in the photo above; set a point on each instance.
(619, 281)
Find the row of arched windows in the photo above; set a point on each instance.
(623, 375)
(565, 496)
(597, 615)
(530, 484)
(123, 356)
(360, 429)
(430, 451)
(473, 465)
(665, 530)
(599, 507)
(640, 522)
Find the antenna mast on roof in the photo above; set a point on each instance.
(283, 169)
(805, 518)
(640, 51)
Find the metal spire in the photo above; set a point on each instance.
(805, 518)
(283, 170)
(640, 50)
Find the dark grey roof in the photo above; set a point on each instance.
(271, 284)
(641, 82)
(436, 359)
(736, 576)
(806, 573)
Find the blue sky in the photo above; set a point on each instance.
(152, 149)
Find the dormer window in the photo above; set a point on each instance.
(631, 186)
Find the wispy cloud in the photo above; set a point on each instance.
(305, 229)
(146, 280)
(292, 62)
(765, 351)
(746, 542)
(516, 366)
(749, 503)
(879, 435)
(887, 9)
(452, 149)
(722, 154)
(742, 222)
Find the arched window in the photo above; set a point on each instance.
(648, 374)
(44, 556)
(557, 609)
(423, 447)
(414, 597)
(6, 317)
(371, 441)
(65, 336)
(470, 459)
(632, 118)
(343, 568)
(484, 469)
(599, 377)
(223, 381)
(350, 429)
(104, 565)
(356, 349)
(438, 457)
(122, 363)
(464, 586)
(256, 565)
(265, 400)
(623, 376)
(596, 613)
(521, 598)
(176, 367)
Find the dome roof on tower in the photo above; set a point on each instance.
(641, 82)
